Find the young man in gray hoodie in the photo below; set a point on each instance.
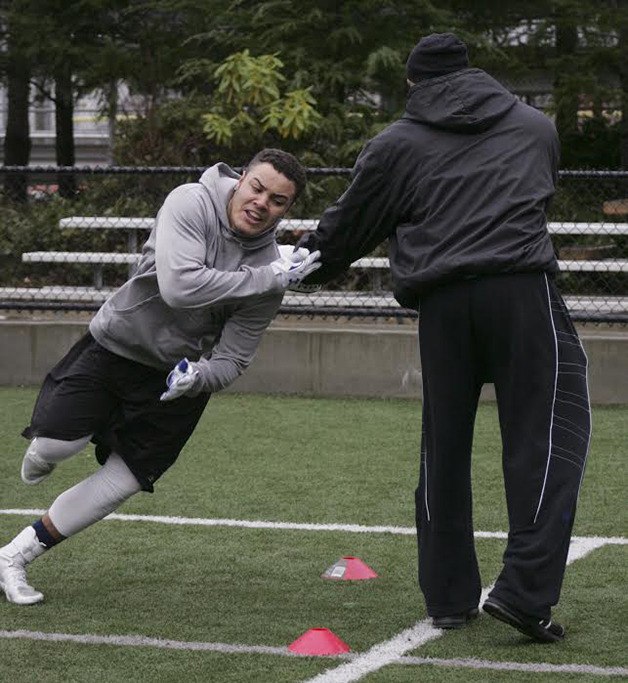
(209, 282)
(460, 185)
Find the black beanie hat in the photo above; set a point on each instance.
(436, 55)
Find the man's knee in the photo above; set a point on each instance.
(55, 450)
(118, 478)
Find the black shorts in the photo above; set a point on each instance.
(94, 391)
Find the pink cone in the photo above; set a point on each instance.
(349, 569)
(317, 642)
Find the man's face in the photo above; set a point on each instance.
(262, 196)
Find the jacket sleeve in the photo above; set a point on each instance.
(238, 344)
(363, 217)
(185, 227)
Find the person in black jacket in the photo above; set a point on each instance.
(460, 186)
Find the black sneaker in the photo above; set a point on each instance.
(455, 620)
(541, 630)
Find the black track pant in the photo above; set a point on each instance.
(512, 330)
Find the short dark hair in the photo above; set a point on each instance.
(284, 163)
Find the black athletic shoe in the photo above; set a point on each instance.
(541, 630)
(455, 620)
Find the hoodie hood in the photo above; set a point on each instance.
(466, 101)
(220, 181)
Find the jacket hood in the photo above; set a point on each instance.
(466, 101)
(220, 181)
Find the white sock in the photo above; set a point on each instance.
(93, 498)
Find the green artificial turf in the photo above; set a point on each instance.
(321, 461)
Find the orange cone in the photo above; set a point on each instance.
(318, 642)
(349, 569)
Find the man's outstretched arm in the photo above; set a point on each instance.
(360, 219)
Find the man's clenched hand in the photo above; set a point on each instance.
(180, 380)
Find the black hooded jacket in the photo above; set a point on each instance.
(460, 184)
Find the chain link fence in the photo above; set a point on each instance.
(70, 236)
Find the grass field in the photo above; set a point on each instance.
(211, 577)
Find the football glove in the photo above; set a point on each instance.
(293, 268)
(297, 254)
(180, 380)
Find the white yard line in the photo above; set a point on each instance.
(228, 649)
(242, 523)
(143, 641)
(294, 526)
(531, 667)
(581, 546)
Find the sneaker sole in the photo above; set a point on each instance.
(532, 630)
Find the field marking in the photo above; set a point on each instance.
(143, 641)
(294, 526)
(529, 667)
(227, 648)
(390, 651)
(581, 546)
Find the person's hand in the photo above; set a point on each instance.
(180, 380)
(297, 254)
(292, 268)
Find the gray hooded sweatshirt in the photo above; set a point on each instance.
(201, 291)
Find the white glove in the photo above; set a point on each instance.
(296, 255)
(291, 270)
(290, 252)
(180, 380)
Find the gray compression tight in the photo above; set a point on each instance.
(93, 498)
(56, 450)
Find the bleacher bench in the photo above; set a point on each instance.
(375, 265)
